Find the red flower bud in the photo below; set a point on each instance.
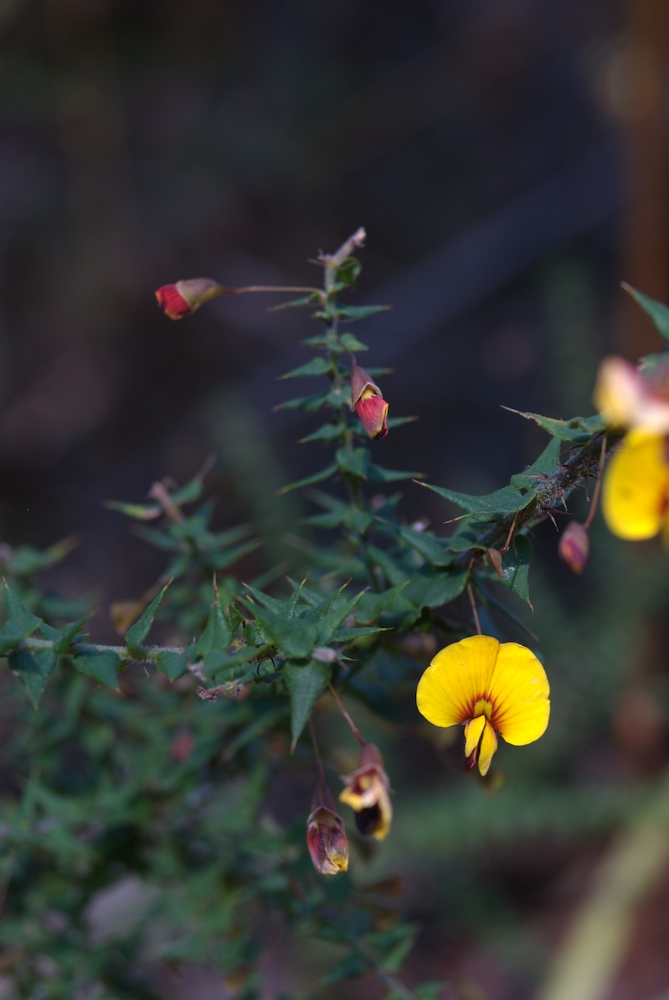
(326, 836)
(574, 546)
(186, 297)
(368, 402)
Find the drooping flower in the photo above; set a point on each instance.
(326, 836)
(635, 492)
(185, 297)
(574, 546)
(491, 688)
(367, 792)
(632, 398)
(368, 402)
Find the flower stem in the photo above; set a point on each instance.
(340, 706)
(470, 595)
(598, 486)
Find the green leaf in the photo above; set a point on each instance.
(305, 686)
(34, 667)
(172, 663)
(307, 403)
(71, 632)
(435, 590)
(578, 429)
(101, 665)
(301, 303)
(317, 477)
(515, 566)
(138, 511)
(138, 632)
(328, 432)
(19, 621)
(359, 312)
(377, 474)
(356, 632)
(351, 342)
(658, 312)
(353, 463)
(393, 572)
(217, 634)
(546, 464)
(508, 500)
(348, 273)
(431, 548)
(294, 637)
(316, 366)
(350, 966)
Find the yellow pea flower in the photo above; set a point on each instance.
(635, 492)
(492, 688)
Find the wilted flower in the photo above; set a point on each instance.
(367, 792)
(574, 546)
(368, 402)
(635, 492)
(626, 397)
(326, 836)
(186, 297)
(492, 688)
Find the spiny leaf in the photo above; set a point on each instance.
(353, 463)
(658, 312)
(305, 686)
(546, 464)
(578, 429)
(138, 632)
(317, 477)
(34, 667)
(508, 500)
(172, 663)
(316, 366)
(217, 634)
(101, 665)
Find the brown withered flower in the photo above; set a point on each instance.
(326, 836)
(367, 792)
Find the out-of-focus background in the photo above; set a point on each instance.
(509, 161)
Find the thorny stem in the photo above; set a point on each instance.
(598, 487)
(582, 461)
(340, 706)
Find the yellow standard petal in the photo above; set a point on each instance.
(635, 492)
(456, 679)
(519, 690)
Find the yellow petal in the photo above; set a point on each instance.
(487, 748)
(457, 677)
(636, 487)
(519, 690)
(473, 731)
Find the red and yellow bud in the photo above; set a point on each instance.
(186, 297)
(326, 836)
(367, 792)
(574, 546)
(368, 403)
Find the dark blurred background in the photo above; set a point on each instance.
(508, 159)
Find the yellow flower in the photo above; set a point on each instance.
(492, 688)
(630, 398)
(367, 792)
(635, 492)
